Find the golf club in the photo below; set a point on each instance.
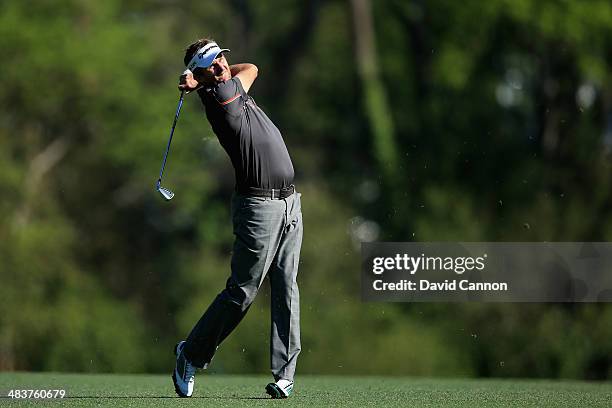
(164, 191)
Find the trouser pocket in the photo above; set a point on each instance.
(295, 215)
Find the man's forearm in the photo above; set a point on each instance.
(237, 68)
(246, 73)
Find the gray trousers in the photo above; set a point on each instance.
(268, 238)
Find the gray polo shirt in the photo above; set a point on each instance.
(254, 144)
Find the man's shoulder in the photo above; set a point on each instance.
(227, 94)
(233, 82)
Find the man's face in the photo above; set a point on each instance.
(219, 71)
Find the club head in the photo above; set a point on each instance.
(165, 192)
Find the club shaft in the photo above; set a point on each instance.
(176, 116)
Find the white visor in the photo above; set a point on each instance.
(205, 56)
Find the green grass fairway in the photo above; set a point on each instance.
(88, 390)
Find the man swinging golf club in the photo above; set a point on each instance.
(266, 215)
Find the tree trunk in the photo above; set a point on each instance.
(376, 104)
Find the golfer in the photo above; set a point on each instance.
(266, 216)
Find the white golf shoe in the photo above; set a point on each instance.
(184, 372)
(280, 389)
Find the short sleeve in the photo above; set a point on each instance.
(230, 95)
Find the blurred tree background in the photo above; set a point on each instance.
(407, 121)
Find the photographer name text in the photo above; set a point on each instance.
(447, 285)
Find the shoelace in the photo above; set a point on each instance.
(189, 371)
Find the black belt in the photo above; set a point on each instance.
(273, 193)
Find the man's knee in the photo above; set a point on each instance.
(239, 296)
